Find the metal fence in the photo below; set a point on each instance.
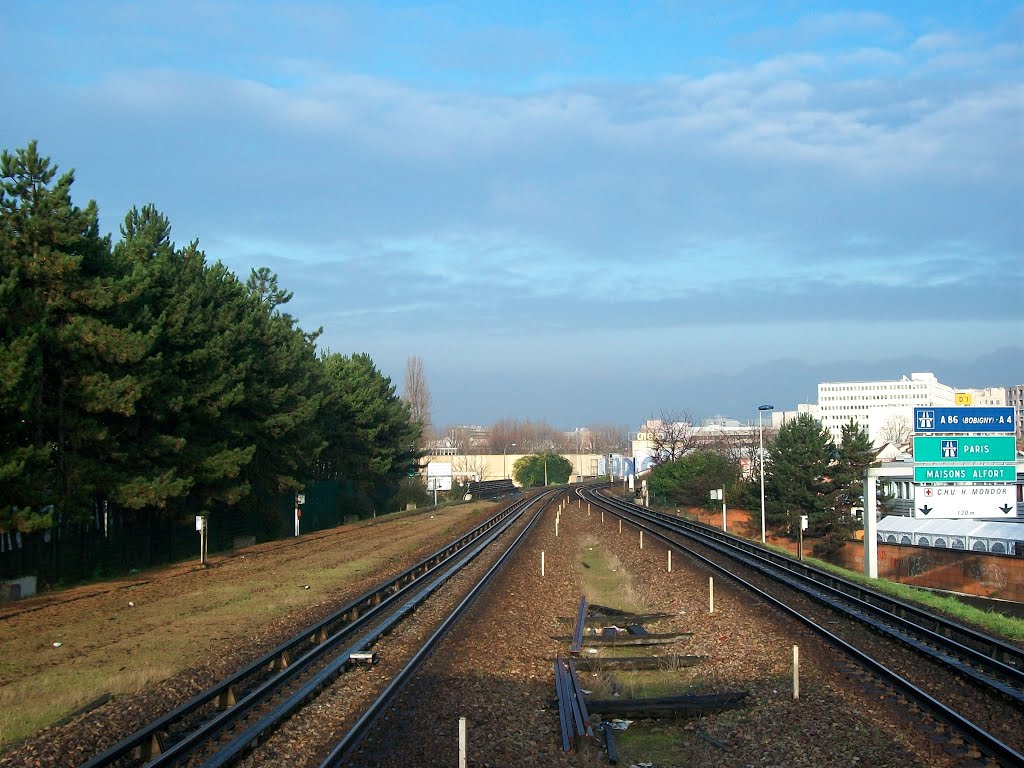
(115, 542)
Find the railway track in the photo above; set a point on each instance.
(962, 684)
(221, 725)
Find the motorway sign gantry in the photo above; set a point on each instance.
(965, 473)
(1002, 448)
(928, 420)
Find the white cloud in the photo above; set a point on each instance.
(936, 41)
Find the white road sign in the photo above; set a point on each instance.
(439, 483)
(965, 501)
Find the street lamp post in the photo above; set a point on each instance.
(504, 466)
(760, 432)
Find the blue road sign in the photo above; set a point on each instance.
(969, 420)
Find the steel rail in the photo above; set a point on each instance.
(254, 734)
(996, 648)
(352, 615)
(985, 669)
(980, 668)
(985, 741)
(344, 748)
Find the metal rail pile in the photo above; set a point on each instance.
(572, 706)
(576, 645)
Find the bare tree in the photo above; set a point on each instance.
(730, 445)
(505, 432)
(611, 438)
(896, 430)
(672, 435)
(470, 467)
(417, 395)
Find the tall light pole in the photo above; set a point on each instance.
(760, 432)
(504, 466)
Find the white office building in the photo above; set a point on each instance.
(884, 408)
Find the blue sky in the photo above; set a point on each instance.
(577, 212)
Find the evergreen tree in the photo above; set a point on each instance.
(797, 473)
(370, 437)
(150, 472)
(65, 358)
(262, 283)
(188, 445)
(689, 480)
(283, 390)
(530, 471)
(855, 454)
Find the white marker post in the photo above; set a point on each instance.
(796, 672)
(542, 563)
(462, 742)
(641, 539)
(670, 561)
(711, 594)
(203, 539)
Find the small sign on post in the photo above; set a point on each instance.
(300, 499)
(718, 494)
(203, 539)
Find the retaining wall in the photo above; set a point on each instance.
(955, 570)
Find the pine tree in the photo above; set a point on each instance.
(855, 454)
(283, 389)
(797, 475)
(690, 479)
(187, 447)
(150, 473)
(370, 436)
(66, 356)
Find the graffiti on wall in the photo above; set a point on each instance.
(989, 575)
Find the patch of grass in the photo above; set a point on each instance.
(122, 649)
(995, 623)
(605, 580)
(657, 742)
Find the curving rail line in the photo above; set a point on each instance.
(988, 663)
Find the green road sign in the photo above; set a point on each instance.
(965, 450)
(965, 473)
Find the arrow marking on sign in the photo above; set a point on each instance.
(925, 509)
(1006, 509)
